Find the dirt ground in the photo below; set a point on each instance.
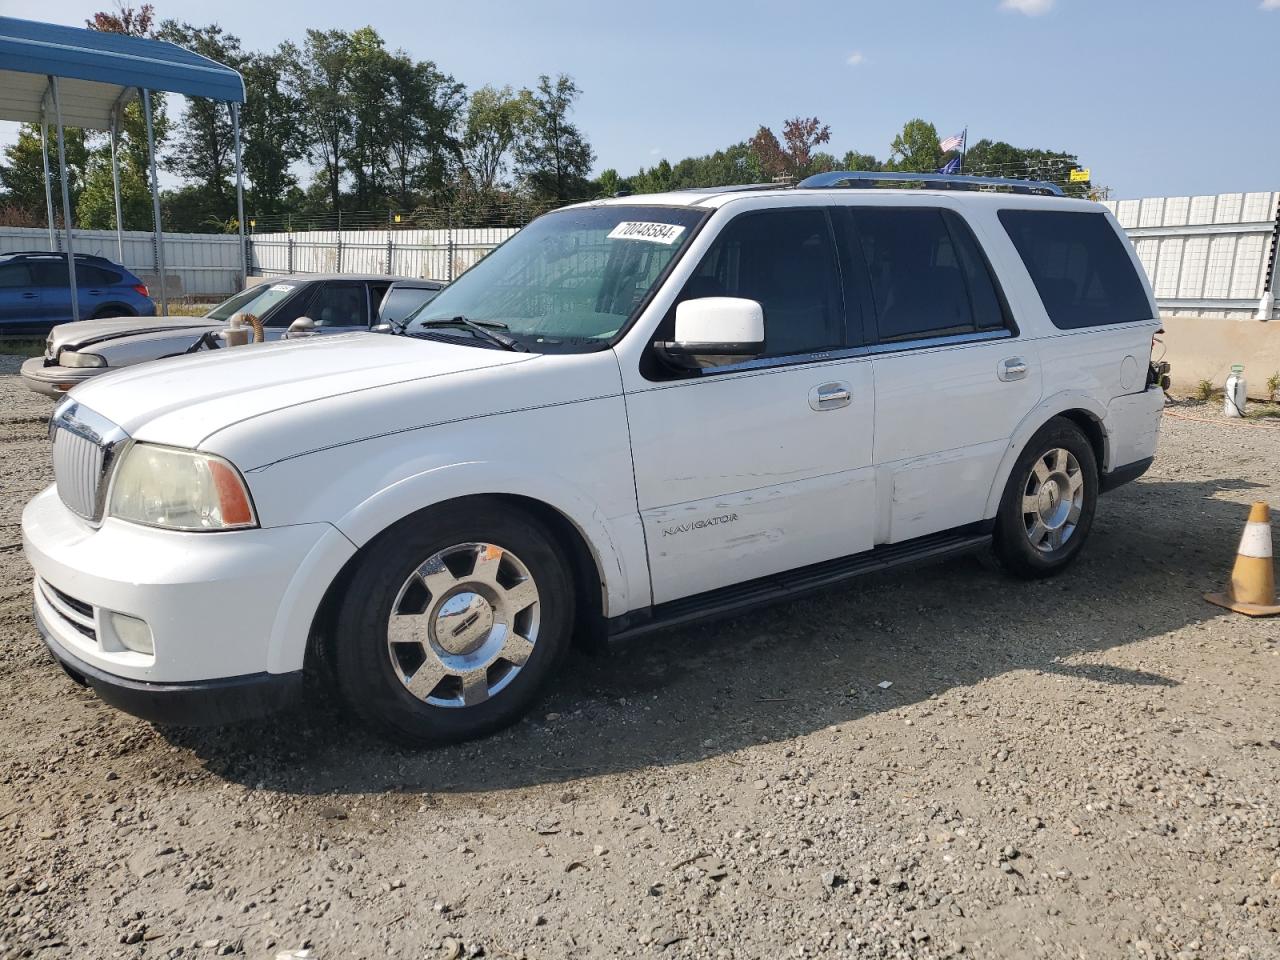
(1086, 767)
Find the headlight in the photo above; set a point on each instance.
(69, 358)
(179, 490)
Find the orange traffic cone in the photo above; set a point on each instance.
(1253, 579)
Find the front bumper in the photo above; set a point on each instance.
(55, 381)
(229, 613)
(197, 703)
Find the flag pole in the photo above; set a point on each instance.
(964, 145)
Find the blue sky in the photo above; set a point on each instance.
(1156, 96)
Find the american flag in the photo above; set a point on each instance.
(954, 142)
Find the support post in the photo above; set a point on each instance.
(66, 201)
(115, 182)
(48, 184)
(244, 250)
(157, 229)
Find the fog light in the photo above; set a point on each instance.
(133, 633)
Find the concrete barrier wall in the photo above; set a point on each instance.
(1204, 348)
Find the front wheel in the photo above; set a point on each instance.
(451, 624)
(1049, 502)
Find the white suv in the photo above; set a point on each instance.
(636, 413)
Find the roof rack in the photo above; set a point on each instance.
(734, 188)
(937, 181)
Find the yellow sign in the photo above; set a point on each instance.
(1081, 176)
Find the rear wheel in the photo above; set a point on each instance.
(107, 312)
(1049, 502)
(452, 622)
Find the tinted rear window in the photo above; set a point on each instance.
(1080, 266)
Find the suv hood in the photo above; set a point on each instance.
(84, 333)
(183, 400)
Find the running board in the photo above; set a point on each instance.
(740, 597)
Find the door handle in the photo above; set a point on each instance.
(29, 296)
(95, 293)
(830, 396)
(1013, 368)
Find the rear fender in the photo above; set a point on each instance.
(1060, 403)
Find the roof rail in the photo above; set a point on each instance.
(60, 254)
(734, 188)
(936, 181)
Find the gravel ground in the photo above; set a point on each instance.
(1087, 767)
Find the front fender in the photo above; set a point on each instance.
(1046, 410)
(616, 544)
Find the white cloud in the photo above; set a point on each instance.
(1034, 8)
(1269, 5)
(856, 57)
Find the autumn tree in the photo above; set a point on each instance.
(793, 156)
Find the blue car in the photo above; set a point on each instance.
(35, 292)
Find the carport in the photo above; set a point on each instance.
(69, 76)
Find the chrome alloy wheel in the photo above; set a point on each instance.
(1052, 500)
(463, 625)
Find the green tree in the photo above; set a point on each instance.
(552, 155)
(853, 160)
(133, 154)
(22, 172)
(916, 149)
(321, 78)
(999, 159)
(369, 96)
(495, 121)
(271, 131)
(419, 128)
(203, 153)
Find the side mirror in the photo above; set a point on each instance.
(381, 328)
(302, 327)
(714, 332)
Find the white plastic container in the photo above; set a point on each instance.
(1235, 393)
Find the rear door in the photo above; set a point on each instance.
(19, 297)
(952, 377)
(55, 290)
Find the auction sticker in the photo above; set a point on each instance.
(649, 231)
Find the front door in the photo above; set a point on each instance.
(19, 297)
(746, 471)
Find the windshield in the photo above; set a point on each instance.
(571, 279)
(256, 300)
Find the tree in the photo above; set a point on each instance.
(271, 130)
(495, 120)
(793, 157)
(552, 154)
(130, 21)
(22, 173)
(321, 78)
(203, 152)
(420, 127)
(916, 149)
(134, 155)
(853, 160)
(369, 96)
(1000, 159)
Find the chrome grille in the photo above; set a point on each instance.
(85, 446)
(77, 466)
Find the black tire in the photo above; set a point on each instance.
(366, 678)
(1014, 545)
(107, 313)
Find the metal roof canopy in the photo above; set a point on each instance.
(99, 72)
(77, 77)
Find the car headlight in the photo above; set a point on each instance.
(180, 490)
(69, 358)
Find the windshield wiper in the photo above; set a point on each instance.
(481, 328)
